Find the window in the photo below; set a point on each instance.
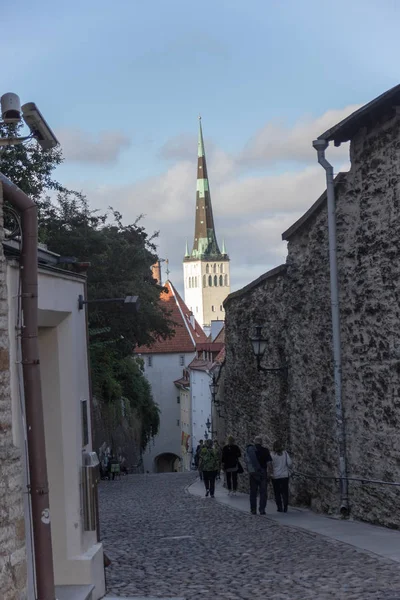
(221, 280)
(182, 360)
(190, 282)
(195, 282)
(226, 279)
(204, 281)
(221, 268)
(213, 308)
(207, 269)
(150, 361)
(178, 422)
(214, 268)
(197, 309)
(178, 399)
(215, 280)
(221, 308)
(210, 280)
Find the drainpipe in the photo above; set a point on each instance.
(320, 146)
(39, 488)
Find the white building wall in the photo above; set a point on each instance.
(161, 374)
(212, 285)
(186, 428)
(78, 558)
(193, 289)
(201, 404)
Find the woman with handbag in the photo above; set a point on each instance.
(281, 463)
(231, 464)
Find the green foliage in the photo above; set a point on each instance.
(121, 257)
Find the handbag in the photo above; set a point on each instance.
(240, 469)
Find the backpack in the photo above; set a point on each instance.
(253, 466)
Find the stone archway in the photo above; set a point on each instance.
(167, 463)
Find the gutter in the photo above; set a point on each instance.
(320, 146)
(39, 488)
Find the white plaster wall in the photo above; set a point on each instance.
(205, 297)
(186, 427)
(78, 558)
(214, 296)
(165, 369)
(193, 295)
(201, 404)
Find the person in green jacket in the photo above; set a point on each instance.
(209, 464)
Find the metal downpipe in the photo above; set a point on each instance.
(39, 491)
(320, 146)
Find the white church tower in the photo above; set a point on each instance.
(205, 268)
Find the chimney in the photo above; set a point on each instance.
(156, 272)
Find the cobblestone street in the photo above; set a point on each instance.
(164, 542)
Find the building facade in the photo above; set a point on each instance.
(77, 554)
(292, 304)
(164, 362)
(206, 267)
(13, 563)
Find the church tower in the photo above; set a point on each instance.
(206, 267)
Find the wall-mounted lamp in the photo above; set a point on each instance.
(214, 389)
(259, 347)
(133, 301)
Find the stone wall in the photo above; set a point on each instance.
(293, 305)
(12, 527)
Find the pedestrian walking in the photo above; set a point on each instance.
(258, 461)
(209, 465)
(281, 463)
(197, 458)
(231, 464)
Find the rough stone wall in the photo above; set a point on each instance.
(294, 309)
(256, 402)
(369, 267)
(12, 526)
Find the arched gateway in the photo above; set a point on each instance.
(167, 463)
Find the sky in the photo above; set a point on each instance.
(122, 84)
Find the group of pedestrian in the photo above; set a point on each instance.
(262, 465)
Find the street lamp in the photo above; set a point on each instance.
(214, 386)
(130, 300)
(259, 344)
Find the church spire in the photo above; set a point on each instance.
(205, 241)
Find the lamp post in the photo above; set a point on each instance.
(259, 344)
(130, 300)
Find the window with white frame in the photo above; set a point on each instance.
(182, 360)
(149, 361)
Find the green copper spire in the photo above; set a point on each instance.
(200, 151)
(205, 243)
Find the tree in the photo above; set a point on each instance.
(121, 257)
(27, 165)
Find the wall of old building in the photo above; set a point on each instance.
(294, 308)
(13, 572)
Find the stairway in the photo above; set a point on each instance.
(74, 592)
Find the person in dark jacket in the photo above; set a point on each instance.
(258, 461)
(208, 464)
(230, 459)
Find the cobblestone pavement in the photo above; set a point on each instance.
(165, 542)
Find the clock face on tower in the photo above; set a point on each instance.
(206, 267)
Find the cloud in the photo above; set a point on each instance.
(251, 209)
(278, 142)
(80, 146)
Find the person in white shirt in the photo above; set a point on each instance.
(281, 463)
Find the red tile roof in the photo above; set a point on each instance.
(186, 335)
(221, 336)
(200, 365)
